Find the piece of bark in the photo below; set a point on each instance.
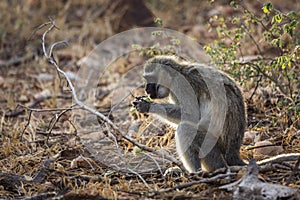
(250, 187)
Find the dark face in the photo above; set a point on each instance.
(156, 82)
(156, 91)
(151, 90)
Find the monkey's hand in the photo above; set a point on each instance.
(142, 104)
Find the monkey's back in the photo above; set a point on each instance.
(204, 79)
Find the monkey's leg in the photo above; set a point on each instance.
(233, 158)
(197, 149)
(187, 146)
(213, 159)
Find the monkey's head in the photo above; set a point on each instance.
(158, 74)
(156, 91)
(154, 87)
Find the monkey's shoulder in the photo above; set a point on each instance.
(203, 72)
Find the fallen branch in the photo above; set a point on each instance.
(280, 158)
(214, 179)
(12, 182)
(250, 187)
(16, 61)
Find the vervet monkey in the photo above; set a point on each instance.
(206, 106)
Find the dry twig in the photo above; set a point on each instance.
(216, 178)
(16, 61)
(294, 172)
(15, 113)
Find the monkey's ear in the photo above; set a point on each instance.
(162, 92)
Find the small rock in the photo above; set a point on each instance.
(43, 93)
(23, 98)
(249, 137)
(83, 162)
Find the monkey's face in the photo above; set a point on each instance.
(156, 91)
(156, 82)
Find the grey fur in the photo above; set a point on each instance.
(198, 104)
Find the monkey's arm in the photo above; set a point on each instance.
(169, 112)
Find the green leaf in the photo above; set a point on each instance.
(290, 28)
(280, 44)
(267, 8)
(292, 15)
(293, 23)
(175, 41)
(137, 150)
(277, 18)
(235, 20)
(234, 4)
(156, 33)
(274, 42)
(289, 63)
(158, 21)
